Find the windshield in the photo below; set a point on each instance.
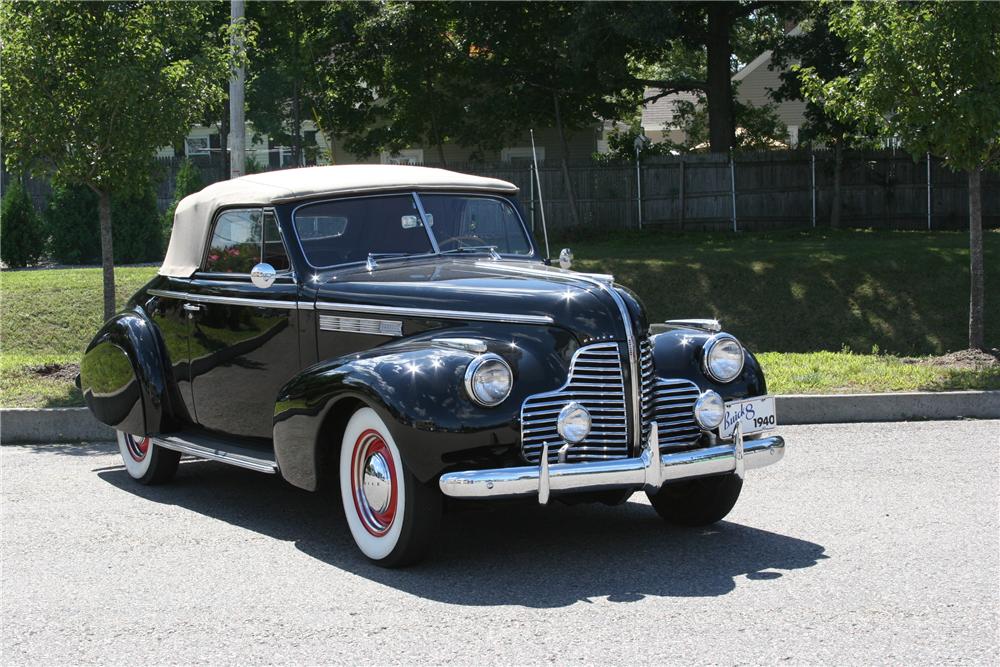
(348, 230)
(475, 224)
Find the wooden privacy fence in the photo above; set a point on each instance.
(752, 191)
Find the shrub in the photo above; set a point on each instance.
(75, 229)
(188, 182)
(71, 221)
(22, 235)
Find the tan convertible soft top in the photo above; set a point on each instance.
(195, 212)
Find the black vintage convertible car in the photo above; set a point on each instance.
(395, 330)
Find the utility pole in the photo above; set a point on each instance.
(237, 84)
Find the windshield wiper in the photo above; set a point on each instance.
(492, 249)
(371, 262)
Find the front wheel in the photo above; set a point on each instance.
(391, 515)
(146, 462)
(697, 502)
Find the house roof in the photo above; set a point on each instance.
(194, 213)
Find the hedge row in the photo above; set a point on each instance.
(68, 231)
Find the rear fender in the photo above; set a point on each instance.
(122, 375)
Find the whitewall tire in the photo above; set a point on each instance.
(144, 461)
(391, 516)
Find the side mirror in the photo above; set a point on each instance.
(262, 275)
(565, 258)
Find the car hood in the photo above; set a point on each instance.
(486, 286)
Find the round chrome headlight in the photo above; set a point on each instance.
(722, 357)
(709, 410)
(488, 380)
(573, 423)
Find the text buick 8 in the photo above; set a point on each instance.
(395, 331)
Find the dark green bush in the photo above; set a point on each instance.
(75, 230)
(72, 224)
(188, 182)
(22, 235)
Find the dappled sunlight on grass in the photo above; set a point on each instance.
(802, 291)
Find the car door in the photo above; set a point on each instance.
(244, 339)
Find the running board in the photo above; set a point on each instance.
(217, 450)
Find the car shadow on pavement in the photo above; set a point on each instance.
(500, 554)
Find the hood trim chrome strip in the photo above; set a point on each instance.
(512, 318)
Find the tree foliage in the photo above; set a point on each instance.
(92, 89)
(929, 77)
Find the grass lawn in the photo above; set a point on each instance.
(805, 300)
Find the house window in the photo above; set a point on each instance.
(196, 145)
(522, 154)
(405, 156)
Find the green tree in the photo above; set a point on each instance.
(818, 52)
(188, 181)
(92, 89)
(285, 73)
(698, 46)
(930, 79)
(22, 238)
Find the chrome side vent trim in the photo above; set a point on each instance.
(361, 325)
(595, 381)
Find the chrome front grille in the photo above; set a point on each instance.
(671, 404)
(596, 382)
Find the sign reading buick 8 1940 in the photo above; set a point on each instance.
(394, 331)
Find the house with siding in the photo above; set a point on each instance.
(753, 84)
(203, 142)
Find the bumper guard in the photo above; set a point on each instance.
(648, 471)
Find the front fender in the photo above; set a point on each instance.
(418, 390)
(677, 354)
(122, 375)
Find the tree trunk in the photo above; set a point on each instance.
(107, 252)
(565, 162)
(976, 291)
(721, 128)
(838, 170)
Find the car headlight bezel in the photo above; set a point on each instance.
(474, 384)
(714, 398)
(715, 346)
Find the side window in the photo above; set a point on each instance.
(274, 248)
(241, 238)
(236, 241)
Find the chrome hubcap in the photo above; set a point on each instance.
(377, 483)
(373, 483)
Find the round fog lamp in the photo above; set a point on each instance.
(709, 410)
(573, 423)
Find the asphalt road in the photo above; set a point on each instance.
(869, 543)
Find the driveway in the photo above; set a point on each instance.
(869, 543)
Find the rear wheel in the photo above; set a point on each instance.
(146, 462)
(391, 515)
(697, 502)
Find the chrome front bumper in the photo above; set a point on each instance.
(648, 471)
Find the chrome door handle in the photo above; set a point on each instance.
(191, 307)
